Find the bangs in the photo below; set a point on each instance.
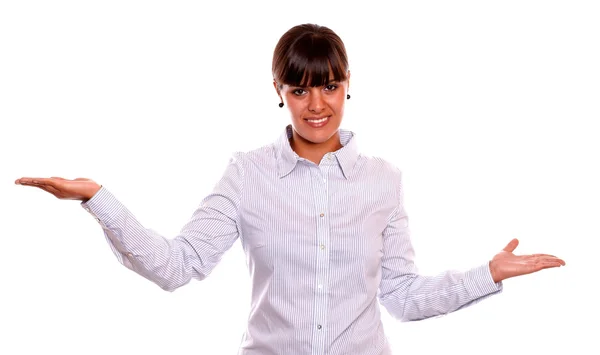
(312, 61)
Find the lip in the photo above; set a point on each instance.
(317, 125)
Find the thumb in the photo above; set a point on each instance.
(511, 246)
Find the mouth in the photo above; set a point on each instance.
(317, 122)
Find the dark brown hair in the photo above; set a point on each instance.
(306, 54)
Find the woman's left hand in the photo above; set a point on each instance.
(506, 264)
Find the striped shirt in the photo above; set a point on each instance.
(326, 244)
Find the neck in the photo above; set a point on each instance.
(314, 151)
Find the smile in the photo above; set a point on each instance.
(317, 122)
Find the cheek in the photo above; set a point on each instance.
(337, 104)
(296, 108)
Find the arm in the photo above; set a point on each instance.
(409, 296)
(193, 253)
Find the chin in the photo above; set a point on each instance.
(318, 137)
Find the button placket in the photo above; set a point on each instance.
(320, 190)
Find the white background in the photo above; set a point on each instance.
(489, 108)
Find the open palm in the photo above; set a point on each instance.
(505, 264)
(77, 189)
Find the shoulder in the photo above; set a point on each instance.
(382, 173)
(262, 156)
(379, 167)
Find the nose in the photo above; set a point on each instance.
(316, 103)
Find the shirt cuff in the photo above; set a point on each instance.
(104, 206)
(478, 282)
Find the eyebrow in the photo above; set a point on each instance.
(327, 83)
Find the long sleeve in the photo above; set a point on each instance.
(408, 296)
(193, 253)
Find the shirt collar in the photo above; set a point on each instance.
(287, 159)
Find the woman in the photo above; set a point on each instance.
(323, 227)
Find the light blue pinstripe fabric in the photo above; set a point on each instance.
(324, 243)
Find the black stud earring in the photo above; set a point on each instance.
(281, 104)
(348, 96)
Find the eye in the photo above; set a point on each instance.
(298, 92)
(330, 87)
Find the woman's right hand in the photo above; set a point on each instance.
(78, 189)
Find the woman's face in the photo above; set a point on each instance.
(316, 112)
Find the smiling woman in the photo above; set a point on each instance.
(323, 227)
(311, 76)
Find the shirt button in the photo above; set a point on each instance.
(322, 215)
(322, 246)
(320, 287)
(319, 326)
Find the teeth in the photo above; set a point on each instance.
(318, 121)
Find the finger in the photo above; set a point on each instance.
(542, 258)
(26, 180)
(551, 260)
(512, 245)
(48, 182)
(38, 186)
(34, 180)
(547, 265)
(38, 182)
(538, 255)
(45, 188)
(57, 177)
(53, 190)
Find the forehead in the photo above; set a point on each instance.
(309, 82)
(313, 74)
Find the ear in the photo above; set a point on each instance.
(276, 86)
(348, 88)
